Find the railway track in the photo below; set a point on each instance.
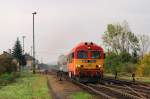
(131, 90)
(144, 91)
(92, 90)
(115, 92)
(116, 89)
(138, 89)
(125, 82)
(115, 81)
(109, 92)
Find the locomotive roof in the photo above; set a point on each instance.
(85, 45)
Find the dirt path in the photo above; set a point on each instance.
(63, 89)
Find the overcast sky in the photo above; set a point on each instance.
(61, 24)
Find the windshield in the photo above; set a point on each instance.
(82, 54)
(95, 54)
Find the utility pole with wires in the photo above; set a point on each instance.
(23, 37)
(34, 13)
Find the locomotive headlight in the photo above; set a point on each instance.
(78, 65)
(99, 66)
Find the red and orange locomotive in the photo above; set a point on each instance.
(85, 62)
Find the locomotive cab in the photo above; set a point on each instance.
(85, 62)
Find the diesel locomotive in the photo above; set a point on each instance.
(85, 62)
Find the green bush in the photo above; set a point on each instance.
(125, 57)
(122, 62)
(130, 67)
(16, 74)
(112, 63)
(8, 77)
(7, 65)
(5, 79)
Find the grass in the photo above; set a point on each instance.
(7, 78)
(28, 86)
(81, 95)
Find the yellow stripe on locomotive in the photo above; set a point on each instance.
(89, 63)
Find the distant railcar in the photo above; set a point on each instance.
(62, 63)
(85, 62)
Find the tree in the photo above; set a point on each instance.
(144, 42)
(112, 62)
(17, 53)
(119, 38)
(135, 57)
(143, 68)
(7, 64)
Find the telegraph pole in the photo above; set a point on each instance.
(23, 37)
(34, 13)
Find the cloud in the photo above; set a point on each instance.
(61, 24)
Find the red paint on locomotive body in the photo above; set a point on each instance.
(88, 47)
(86, 60)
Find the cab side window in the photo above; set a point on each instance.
(72, 55)
(70, 58)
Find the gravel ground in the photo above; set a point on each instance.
(65, 90)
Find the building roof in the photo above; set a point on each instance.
(28, 57)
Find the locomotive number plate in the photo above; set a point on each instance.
(89, 66)
(89, 61)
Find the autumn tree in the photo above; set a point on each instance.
(123, 46)
(143, 68)
(144, 42)
(119, 38)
